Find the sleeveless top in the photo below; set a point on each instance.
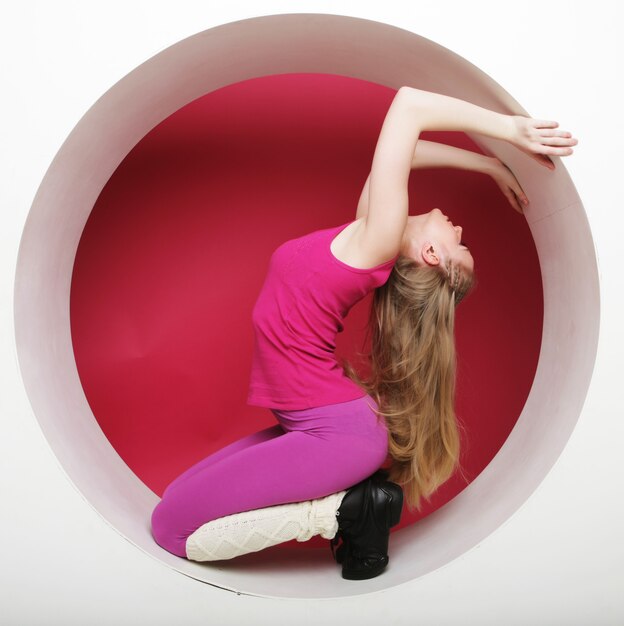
(305, 297)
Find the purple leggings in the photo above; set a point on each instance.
(309, 454)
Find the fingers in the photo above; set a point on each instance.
(511, 196)
(522, 197)
(520, 200)
(545, 124)
(542, 159)
(518, 194)
(555, 142)
(555, 133)
(547, 161)
(555, 146)
(554, 150)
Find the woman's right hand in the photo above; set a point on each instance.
(538, 139)
(508, 183)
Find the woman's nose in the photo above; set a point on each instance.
(458, 230)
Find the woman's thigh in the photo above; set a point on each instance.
(236, 446)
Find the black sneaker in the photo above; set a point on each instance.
(365, 516)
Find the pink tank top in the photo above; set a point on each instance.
(305, 297)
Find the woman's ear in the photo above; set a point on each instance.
(430, 254)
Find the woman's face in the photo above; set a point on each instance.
(432, 238)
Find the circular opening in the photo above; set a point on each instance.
(175, 251)
(131, 185)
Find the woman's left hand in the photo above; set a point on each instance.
(540, 138)
(508, 184)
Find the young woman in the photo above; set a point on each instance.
(317, 470)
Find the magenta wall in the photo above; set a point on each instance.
(177, 245)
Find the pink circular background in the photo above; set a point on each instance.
(176, 248)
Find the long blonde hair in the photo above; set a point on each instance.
(412, 372)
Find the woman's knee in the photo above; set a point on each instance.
(165, 531)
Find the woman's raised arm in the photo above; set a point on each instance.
(533, 136)
(432, 154)
(411, 112)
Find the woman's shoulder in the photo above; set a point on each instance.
(351, 246)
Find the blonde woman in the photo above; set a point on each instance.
(317, 471)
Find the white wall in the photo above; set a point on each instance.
(557, 560)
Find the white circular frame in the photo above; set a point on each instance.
(237, 51)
